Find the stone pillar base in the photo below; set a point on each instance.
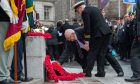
(36, 53)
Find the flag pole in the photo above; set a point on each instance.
(87, 2)
(15, 60)
(119, 8)
(70, 13)
(25, 60)
(15, 63)
(132, 8)
(99, 5)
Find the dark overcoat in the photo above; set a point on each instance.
(135, 51)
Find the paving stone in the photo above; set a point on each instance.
(87, 80)
(73, 82)
(110, 78)
(34, 81)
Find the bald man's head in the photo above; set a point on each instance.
(70, 35)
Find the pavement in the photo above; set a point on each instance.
(110, 78)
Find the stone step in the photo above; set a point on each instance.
(90, 80)
(34, 81)
(85, 80)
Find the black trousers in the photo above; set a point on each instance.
(82, 61)
(60, 48)
(53, 51)
(114, 63)
(123, 50)
(135, 58)
(98, 48)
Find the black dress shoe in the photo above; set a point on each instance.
(3, 81)
(106, 64)
(88, 74)
(120, 74)
(100, 75)
(133, 79)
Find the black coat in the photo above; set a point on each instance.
(60, 38)
(75, 25)
(130, 31)
(121, 34)
(94, 22)
(54, 39)
(3, 16)
(135, 50)
(66, 26)
(138, 18)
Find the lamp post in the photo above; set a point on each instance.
(87, 2)
(119, 8)
(99, 5)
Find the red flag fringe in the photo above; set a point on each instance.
(56, 72)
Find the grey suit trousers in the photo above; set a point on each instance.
(5, 57)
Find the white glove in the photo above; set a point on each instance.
(25, 26)
(14, 19)
(6, 7)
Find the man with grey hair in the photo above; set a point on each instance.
(75, 45)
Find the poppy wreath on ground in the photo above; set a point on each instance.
(49, 70)
(56, 72)
(60, 71)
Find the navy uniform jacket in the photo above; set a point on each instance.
(94, 22)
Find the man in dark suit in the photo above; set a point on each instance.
(95, 25)
(135, 50)
(53, 43)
